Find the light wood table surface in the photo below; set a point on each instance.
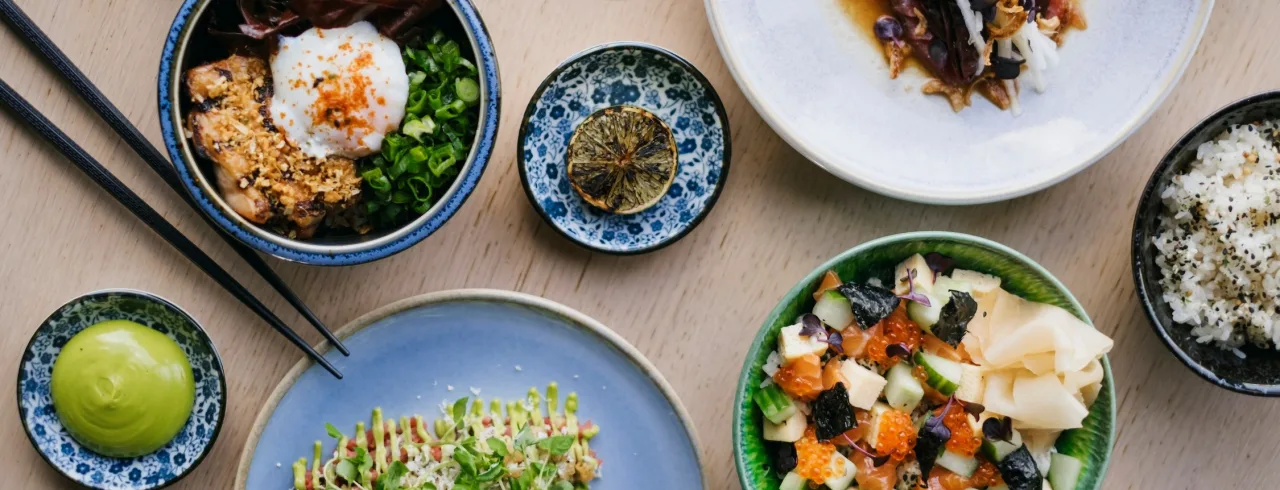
(691, 308)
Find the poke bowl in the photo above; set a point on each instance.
(338, 134)
(926, 395)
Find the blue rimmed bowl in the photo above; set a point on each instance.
(625, 74)
(190, 44)
(158, 469)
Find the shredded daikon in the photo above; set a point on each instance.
(973, 22)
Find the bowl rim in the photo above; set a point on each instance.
(1148, 293)
(543, 305)
(574, 59)
(210, 202)
(801, 287)
(830, 163)
(199, 329)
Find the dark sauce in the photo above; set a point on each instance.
(864, 13)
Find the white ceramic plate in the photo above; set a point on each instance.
(822, 84)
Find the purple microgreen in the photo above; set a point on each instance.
(875, 460)
(938, 263)
(974, 409)
(936, 428)
(837, 342)
(897, 350)
(812, 327)
(912, 295)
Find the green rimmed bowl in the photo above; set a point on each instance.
(1091, 444)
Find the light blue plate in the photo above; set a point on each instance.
(55, 445)
(405, 356)
(639, 75)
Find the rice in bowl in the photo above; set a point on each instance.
(1217, 237)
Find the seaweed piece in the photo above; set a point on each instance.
(832, 413)
(953, 322)
(1019, 470)
(783, 455)
(870, 303)
(930, 441)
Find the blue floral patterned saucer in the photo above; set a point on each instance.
(155, 470)
(628, 74)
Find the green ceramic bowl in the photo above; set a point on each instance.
(1092, 444)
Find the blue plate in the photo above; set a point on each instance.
(55, 445)
(407, 356)
(639, 75)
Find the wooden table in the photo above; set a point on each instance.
(691, 308)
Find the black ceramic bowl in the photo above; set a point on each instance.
(1259, 372)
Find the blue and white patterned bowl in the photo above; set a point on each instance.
(189, 38)
(639, 75)
(156, 470)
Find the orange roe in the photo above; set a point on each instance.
(801, 378)
(986, 476)
(897, 437)
(964, 440)
(813, 458)
(896, 329)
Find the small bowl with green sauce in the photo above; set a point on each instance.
(121, 390)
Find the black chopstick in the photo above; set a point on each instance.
(103, 177)
(16, 19)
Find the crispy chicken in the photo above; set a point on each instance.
(262, 175)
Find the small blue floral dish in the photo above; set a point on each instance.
(625, 74)
(158, 469)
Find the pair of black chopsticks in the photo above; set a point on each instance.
(17, 20)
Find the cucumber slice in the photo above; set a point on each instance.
(997, 450)
(958, 464)
(793, 482)
(775, 404)
(943, 375)
(925, 316)
(1064, 471)
(834, 310)
(843, 474)
(903, 390)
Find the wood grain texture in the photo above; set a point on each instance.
(691, 308)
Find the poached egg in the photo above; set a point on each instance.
(338, 91)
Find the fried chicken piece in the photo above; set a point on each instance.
(262, 175)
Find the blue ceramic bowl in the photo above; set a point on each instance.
(190, 44)
(156, 470)
(632, 74)
(440, 346)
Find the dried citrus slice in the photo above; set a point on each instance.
(622, 159)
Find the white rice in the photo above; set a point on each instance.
(1218, 240)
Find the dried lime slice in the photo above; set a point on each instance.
(622, 159)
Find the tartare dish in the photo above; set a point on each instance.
(470, 447)
(332, 117)
(942, 380)
(987, 46)
(1217, 237)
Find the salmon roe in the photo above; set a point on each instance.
(896, 329)
(964, 439)
(897, 437)
(801, 378)
(986, 476)
(813, 458)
